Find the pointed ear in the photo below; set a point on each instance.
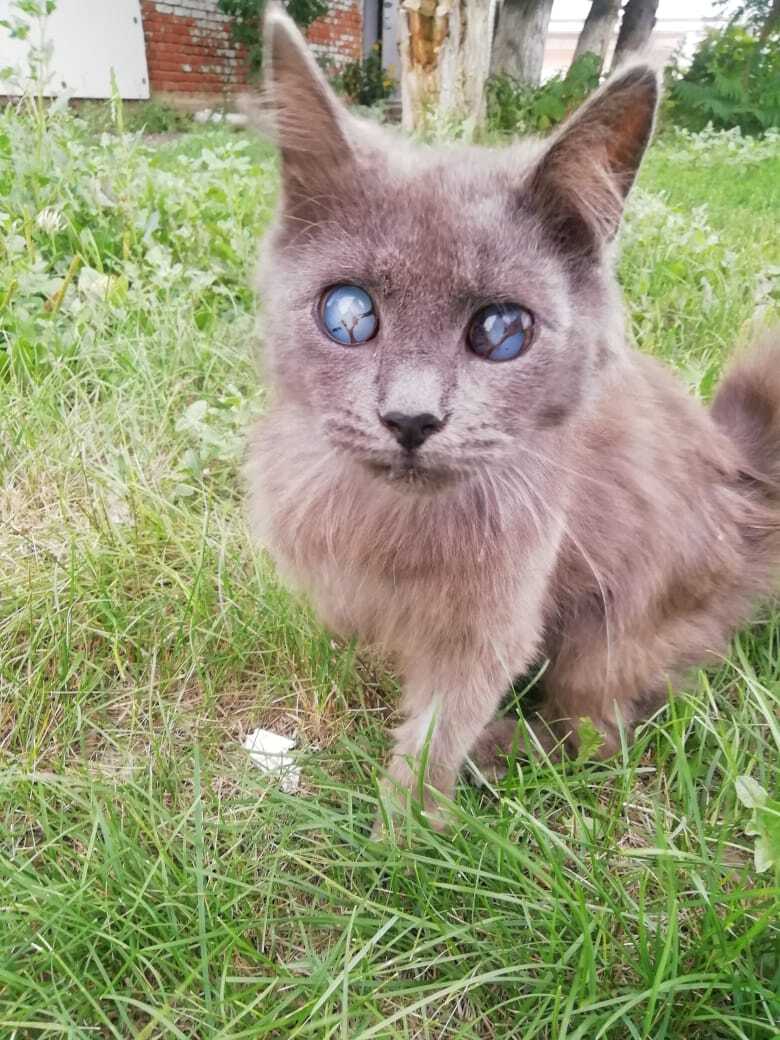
(308, 121)
(581, 182)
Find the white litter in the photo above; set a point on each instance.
(270, 752)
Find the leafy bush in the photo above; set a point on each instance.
(733, 81)
(698, 260)
(149, 117)
(711, 147)
(98, 232)
(153, 117)
(514, 107)
(246, 20)
(365, 82)
(27, 21)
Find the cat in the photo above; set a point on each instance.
(464, 463)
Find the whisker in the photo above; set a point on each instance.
(564, 469)
(586, 557)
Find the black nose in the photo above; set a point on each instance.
(411, 430)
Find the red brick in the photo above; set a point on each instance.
(176, 40)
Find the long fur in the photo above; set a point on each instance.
(575, 503)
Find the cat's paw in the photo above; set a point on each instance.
(505, 740)
(399, 804)
(493, 749)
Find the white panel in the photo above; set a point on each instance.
(90, 37)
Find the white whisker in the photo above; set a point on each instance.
(588, 560)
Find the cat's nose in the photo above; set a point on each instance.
(411, 430)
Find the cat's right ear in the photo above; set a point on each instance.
(306, 118)
(580, 184)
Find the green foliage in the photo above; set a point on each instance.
(764, 824)
(514, 107)
(590, 740)
(149, 117)
(733, 81)
(17, 25)
(756, 15)
(365, 82)
(246, 21)
(26, 15)
(87, 220)
(693, 277)
(153, 117)
(155, 883)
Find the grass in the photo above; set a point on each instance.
(152, 882)
(148, 117)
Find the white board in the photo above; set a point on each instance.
(90, 38)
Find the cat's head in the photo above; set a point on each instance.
(431, 312)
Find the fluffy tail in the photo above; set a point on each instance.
(747, 408)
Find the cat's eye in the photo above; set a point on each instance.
(500, 331)
(348, 315)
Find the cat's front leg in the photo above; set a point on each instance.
(446, 708)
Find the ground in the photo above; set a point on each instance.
(153, 883)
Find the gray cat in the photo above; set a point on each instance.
(464, 463)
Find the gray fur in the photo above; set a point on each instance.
(577, 503)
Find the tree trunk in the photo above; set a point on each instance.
(518, 49)
(445, 59)
(597, 30)
(635, 29)
(771, 23)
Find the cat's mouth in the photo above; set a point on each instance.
(409, 472)
(412, 471)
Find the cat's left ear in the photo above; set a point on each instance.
(309, 123)
(581, 181)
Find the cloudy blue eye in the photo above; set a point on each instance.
(347, 314)
(500, 331)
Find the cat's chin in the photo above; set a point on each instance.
(412, 476)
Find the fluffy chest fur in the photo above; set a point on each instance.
(399, 569)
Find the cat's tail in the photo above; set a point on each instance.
(747, 408)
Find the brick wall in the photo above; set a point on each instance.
(338, 37)
(190, 53)
(189, 49)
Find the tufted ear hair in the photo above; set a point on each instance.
(583, 177)
(309, 123)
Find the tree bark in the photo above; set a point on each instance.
(771, 23)
(445, 59)
(518, 49)
(638, 22)
(597, 30)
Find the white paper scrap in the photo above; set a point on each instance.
(270, 752)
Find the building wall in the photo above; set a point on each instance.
(192, 58)
(189, 50)
(338, 37)
(90, 40)
(670, 36)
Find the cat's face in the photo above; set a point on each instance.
(435, 312)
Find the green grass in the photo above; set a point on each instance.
(152, 882)
(148, 117)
